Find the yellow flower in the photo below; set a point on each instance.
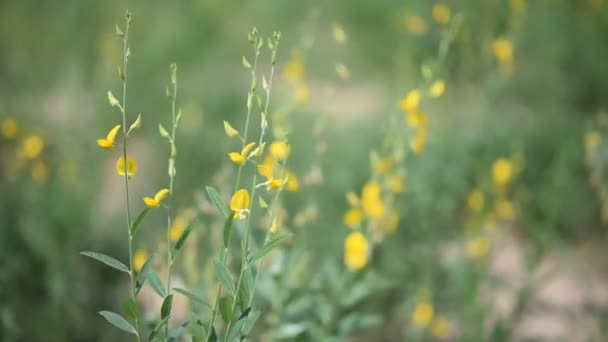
(229, 130)
(416, 25)
(503, 50)
(423, 314)
(131, 166)
(108, 142)
(279, 150)
(39, 172)
(266, 168)
(441, 328)
(239, 204)
(275, 183)
(419, 141)
(411, 100)
(177, 227)
(302, 93)
(390, 222)
(353, 217)
(437, 88)
(442, 14)
(355, 251)
(33, 146)
(502, 172)
(505, 210)
(476, 200)
(382, 165)
(416, 119)
(293, 184)
(139, 259)
(294, 71)
(9, 128)
(241, 158)
(478, 247)
(371, 201)
(592, 140)
(158, 197)
(397, 183)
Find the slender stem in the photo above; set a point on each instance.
(125, 49)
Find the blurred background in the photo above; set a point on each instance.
(499, 216)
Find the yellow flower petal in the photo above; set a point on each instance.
(131, 166)
(423, 314)
(356, 251)
(502, 172)
(112, 134)
(353, 217)
(279, 150)
(442, 14)
(411, 101)
(437, 88)
(33, 146)
(237, 158)
(239, 203)
(9, 128)
(161, 194)
(247, 149)
(230, 131)
(139, 259)
(151, 202)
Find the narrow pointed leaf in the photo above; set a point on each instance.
(137, 223)
(182, 239)
(156, 284)
(270, 245)
(118, 321)
(217, 201)
(108, 260)
(130, 308)
(191, 296)
(143, 273)
(250, 321)
(165, 309)
(228, 230)
(224, 276)
(226, 308)
(158, 327)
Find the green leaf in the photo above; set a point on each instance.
(156, 284)
(246, 288)
(246, 63)
(163, 132)
(157, 328)
(224, 276)
(137, 223)
(270, 245)
(182, 239)
(191, 296)
(143, 273)
(235, 331)
(108, 260)
(250, 321)
(165, 309)
(228, 230)
(118, 321)
(216, 199)
(130, 308)
(226, 308)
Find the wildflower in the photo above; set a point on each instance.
(390, 222)
(371, 201)
(423, 314)
(397, 183)
(39, 172)
(294, 71)
(382, 165)
(158, 197)
(442, 14)
(437, 89)
(9, 128)
(592, 140)
(266, 168)
(353, 217)
(416, 119)
(279, 150)
(230, 131)
(502, 172)
(503, 50)
(177, 227)
(239, 204)
(241, 158)
(505, 210)
(441, 328)
(139, 259)
(478, 247)
(33, 146)
(355, 251)
(419, 141)
(411, 100)
(475, 200)
(293, 184)
(416, 25)
(131, 166)
(275, 183)
(108, 142)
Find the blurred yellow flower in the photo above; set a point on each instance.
(416, 25)
(39, 172)
(229, 130)
(419, 141)
(355, 251)
(239, 204)
(382, 165)
(139, 259)
(423, 314)
(266, 168)
(416, 119)
(275, 183)
(441, 328)
(390, 222)
(293, 184)
(177, 227)
(517, 5)
(294, 71)
(241, 158)
(158, 197)
(437, 88)
(131, 166)
(353, 217)
(505, 210)
(503, 50)
(411, 101)
(502, 172)
(592, 140)
(475, 200)
(9, 128)
(279, 150)
(442, 14)
(477, 248)
(371, 202)
(397, 183)
(108, 142)
(33, 146)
